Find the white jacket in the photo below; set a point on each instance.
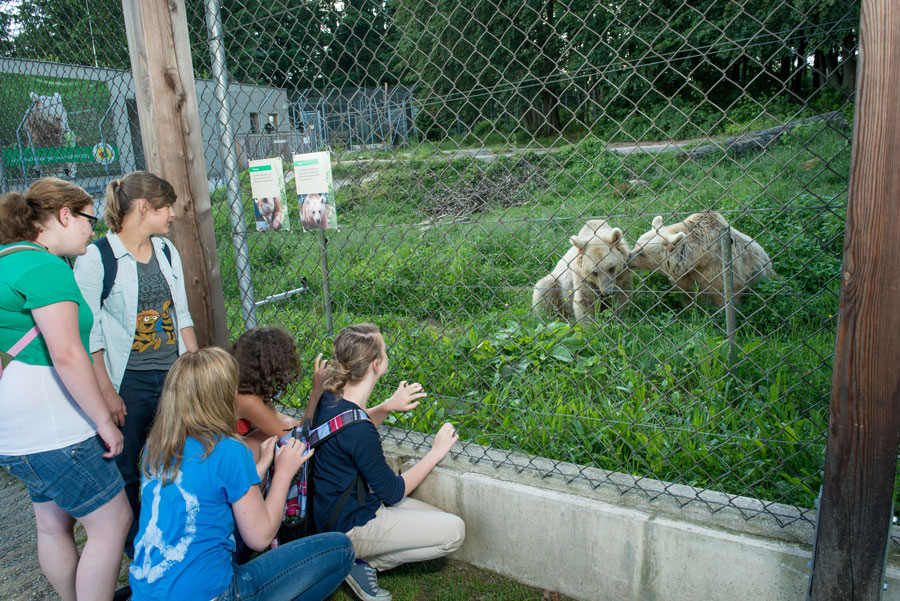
(114, 324)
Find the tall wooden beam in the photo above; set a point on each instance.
(861, 454)
(173, 146)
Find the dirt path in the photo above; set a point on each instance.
(21, 578)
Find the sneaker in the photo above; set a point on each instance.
(363, 579)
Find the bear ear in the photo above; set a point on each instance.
(657, 222)
(34, 97)
(675, 238)
(578, 243)
(614, 236)
(57, 97)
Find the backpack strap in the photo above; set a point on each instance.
(110, 266)
(319, 435)
(18, 248)
(24, 341)
(352, 416)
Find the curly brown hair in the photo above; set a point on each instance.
(268, 362)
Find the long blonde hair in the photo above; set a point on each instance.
(197, 401)
(21, 215)
(354, 350)
(121, 194)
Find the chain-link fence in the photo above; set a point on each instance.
(472, 147)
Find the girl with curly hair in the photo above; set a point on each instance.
(269, 364)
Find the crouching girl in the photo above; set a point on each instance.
(199, 481)
(387, 527)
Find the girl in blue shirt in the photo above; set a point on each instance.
(199, 481)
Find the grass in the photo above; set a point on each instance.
(447, 580)
(648, 391)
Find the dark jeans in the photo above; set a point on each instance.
(308, 569)
(140, 390)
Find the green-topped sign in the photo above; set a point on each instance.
(259, 168)
(305, 162)
(62, 154)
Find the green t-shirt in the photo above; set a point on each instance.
(32, 279)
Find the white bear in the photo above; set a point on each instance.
(690, 254)
(589, 274)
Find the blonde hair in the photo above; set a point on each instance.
(197, 401)
(121, 194)
(21, 215)
(354, 350)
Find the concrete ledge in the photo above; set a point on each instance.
(611, 540)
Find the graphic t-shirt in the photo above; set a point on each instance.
(155, 343)
(184, 544)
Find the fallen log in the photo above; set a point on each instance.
(762, 139)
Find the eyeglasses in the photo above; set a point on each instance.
(90, 218)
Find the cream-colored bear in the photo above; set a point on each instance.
(690, 254)
(588, 275)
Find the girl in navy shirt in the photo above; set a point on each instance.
(387, 527)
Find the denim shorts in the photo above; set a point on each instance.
(77, 478)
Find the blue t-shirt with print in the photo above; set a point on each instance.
(185, 543)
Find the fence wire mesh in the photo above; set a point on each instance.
(687, 342)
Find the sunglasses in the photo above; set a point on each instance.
(90, 218)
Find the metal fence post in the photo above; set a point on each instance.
(728, 290)
(235, 202)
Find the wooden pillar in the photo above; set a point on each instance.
(861, 454)
(173, 146)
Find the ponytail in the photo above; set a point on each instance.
(113, 210)
(122, 193)
(21, 215)
(354, 350)
(17, 219)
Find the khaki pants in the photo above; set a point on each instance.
(409, 531)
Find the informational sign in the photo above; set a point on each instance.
(315, 190)
(267, 189)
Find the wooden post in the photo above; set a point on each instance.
(861, 454)
(173, 146)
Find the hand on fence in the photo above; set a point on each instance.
(290, 456)
(266, 454)
(405, 398)
(321, 373)
(444, 440)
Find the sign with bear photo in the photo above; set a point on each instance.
(315, 190)
(267, 188)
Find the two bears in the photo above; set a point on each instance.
(599, 264)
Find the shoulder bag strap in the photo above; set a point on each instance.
(110, 266)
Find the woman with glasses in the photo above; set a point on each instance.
(56, 432)
(133, 282)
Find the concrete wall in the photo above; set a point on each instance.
(614, 542)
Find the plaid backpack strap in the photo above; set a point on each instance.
(352, 416)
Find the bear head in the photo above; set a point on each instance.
(654, 246)
(602, 256)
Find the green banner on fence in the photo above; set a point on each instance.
(60, 154)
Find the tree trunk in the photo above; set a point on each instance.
(797, 80)
(848, 53)
(818, 72)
